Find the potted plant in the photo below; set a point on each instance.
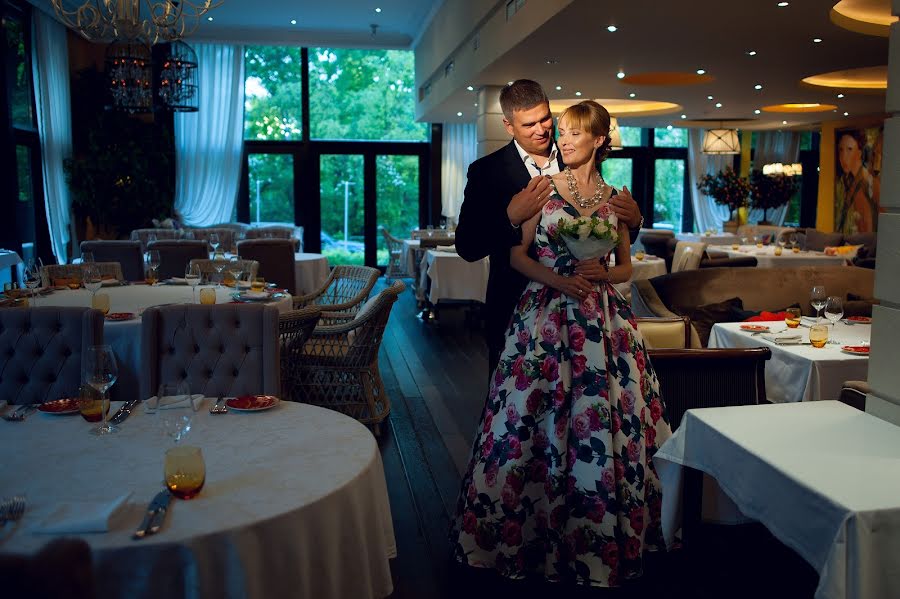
(770, 191)
(728, 189)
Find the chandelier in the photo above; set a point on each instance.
(721, 141)
(146, 21)
(129, 69)
(178, 79)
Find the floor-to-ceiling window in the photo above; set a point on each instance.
(332, 145)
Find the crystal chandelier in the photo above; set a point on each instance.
(147, 21)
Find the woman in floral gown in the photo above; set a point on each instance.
(561, 482)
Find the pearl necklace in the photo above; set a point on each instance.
(576, 195)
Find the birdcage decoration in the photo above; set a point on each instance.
(178, 90)
(129, 70)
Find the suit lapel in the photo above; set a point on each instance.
(516, 171)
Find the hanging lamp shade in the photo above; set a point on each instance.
(129, 70)
(615, 136)
(721, 141)
(178, 79)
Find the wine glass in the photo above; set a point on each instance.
(153, 260)
(793, 241)
(87, 257)
(100, 371)
(192, 277)
(235, 269)
(33, 278)
(220, 265)
(92, 280)
(834, 311)
(817, 299)
(214, 242)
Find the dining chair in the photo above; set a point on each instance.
(395, 249)
(295, 234)
(209, 267)
(62, 568)
(176, 254)
(276, 260)
(665, 333)
(41, 349)
(228, 238)
(63, 274)
(129, 255)
(344, 291)
(854, 393)
(224, 349)
(688, 255)
(145, 236)
(294, 329)
(339, 367)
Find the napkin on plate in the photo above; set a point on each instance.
(75, 517)
(783, 338)
(173, 401)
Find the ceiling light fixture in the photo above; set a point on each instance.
(377, 9)
(669, 127)
(709, 97)
(783, 4)
(817, 40)
(701, 71)
(209, 19)
(470, 88)
(632, 94)
(718, 105)
(846, 114)
(757, 86)
(578, 94)
(458, 114)
(620, 74)
(757, 111)
(684, 116)
(721, 141)
(751, 53)
(788, 170)
(293, 21)
(612, 28)
(840, 95)
(558, 87)
(615, 136)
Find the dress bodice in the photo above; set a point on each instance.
(550, 247)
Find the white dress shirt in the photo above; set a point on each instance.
(551, 168)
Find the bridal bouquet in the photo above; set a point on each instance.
(587, 236)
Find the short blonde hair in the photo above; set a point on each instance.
(591, 117)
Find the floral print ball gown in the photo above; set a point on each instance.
(561, 481)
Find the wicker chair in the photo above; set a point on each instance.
(395, 254)
(339, 367)
(208, 267)
(63, 274)
(294, 329)
(228, 238)
(345, 290)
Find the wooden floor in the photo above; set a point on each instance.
(436, 374)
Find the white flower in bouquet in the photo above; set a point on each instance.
(588, 236)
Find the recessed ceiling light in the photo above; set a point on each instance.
(757, 111)
(817, 40)
(612, 28)
(784, 122)
(840, 95)
(632, 94)
(552, 61)
(509, 83)
(709, 97)
(293, 21)
(578, 94)
(476, 103)
(620, 74)
(751, 53)
(783, 4)
(701, 71)
(470, 88)
(377, 9)
(669, 127)
(458, 114)
(558, 87)
(209, 18)
(718, 105)
(846, 114)
(757, 86)
(684, 116)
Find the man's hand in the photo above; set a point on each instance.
(626, 208)
(529, 201)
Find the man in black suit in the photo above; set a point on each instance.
(505, 189)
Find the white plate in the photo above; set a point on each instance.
(254, 296)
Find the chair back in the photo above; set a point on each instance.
(295, 234)
(228, 238)
(175, 254)
(240, 229)
(345, 290)
(709, 378)
(225, 349)
(145, 236)
(276, 260)
(41, 349)
(294, 329)
(665, 333)
(395, 254)
(129, 255)
(63, 274)
(209, 267)
(688, 255)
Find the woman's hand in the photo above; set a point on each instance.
(574, 286)
(592, 270)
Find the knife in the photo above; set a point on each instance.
(156, 513)
(124, 412)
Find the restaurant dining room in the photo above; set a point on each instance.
(450, 298)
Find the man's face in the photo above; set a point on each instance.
(532, 128)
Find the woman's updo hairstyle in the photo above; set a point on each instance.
(591, 117)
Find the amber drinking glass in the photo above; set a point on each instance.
(792, 318)
(778, 250)
(185, 471)
(639, 255)
(258, 284)
(91, 404)
(100, 301)
(818, 335)
(152, 276)
(208, 296)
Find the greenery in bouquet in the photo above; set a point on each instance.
(771, 191)
(587, 236)
(726, 188)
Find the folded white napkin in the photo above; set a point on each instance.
(81, 516)
(166, 402)
(446, 248)
(784, 338)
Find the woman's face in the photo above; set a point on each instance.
(849, 154)
(577, 145)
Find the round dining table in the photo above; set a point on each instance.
(124, 336)
(295, 503)
(310, 271)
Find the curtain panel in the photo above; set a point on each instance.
(707, 214)
(50, 69)
(209, 143)
(458, 151)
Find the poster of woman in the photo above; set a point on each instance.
(858, 179)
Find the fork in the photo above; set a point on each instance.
(19, 414)
(219, 407)
(12, 509)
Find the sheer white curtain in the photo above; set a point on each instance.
(208, 143)
(774, 146)
(458, 151)
(707, 214)
(50, 68)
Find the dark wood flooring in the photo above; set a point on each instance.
(435, 373)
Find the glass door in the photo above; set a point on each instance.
(341, 193)
(271, 187)
(397, 198)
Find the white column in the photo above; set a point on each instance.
(491, 135)
(884, 376)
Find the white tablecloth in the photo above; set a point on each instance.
(649, 267)
(295, 503)
(311, 271)
(714, 239)
(452, 278)
(824, 478)
(802, 372)
(409, 258)
(9, 259)
(125, 336)
(766, 258)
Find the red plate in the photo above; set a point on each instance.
(252, 403)
(860, 319)
(856, 350)
(756, 328)
(120, 316)
(68, 405)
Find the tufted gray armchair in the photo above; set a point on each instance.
(175, 254)
(276, 260)
(226, 349)
(40, 351)
(128, 254)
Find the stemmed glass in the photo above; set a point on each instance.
(235, 269)
(219, 265)
(214, 242)
(817, 299)
(153, 264)
(92, 280)
(793, 241)
(33, 277)
(192, 277)
(100, 371)
(834, 311)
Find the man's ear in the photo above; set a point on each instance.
(509, 127)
